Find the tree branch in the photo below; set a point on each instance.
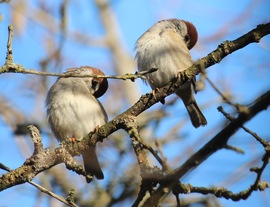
(218, 142)
(223, 192)
(44, 159)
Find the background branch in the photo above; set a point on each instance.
(216, 143)
(54, 157)
(163, 139)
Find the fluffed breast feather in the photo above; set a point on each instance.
(166, 49)
(69, 107)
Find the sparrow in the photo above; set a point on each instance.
(166, 46)
(73, 110)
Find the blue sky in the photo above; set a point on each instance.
(245, 73)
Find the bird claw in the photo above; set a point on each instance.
(73, 139)
(96, 129)
(89, 178)
(153, 92)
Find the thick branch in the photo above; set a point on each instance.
(43, 159)
(47, 158)
(146, 101)
(218, 142)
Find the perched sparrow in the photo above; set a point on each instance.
(73, 110)
(166, 46)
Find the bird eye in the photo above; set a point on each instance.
(95, 83)
(187, 38)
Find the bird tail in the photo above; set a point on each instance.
(185, 92)
(91, 164)
(196, 116)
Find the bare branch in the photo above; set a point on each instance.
(224, 97)
(259, 139)
(44, 190)
(44, 159)
(223, 192)
(216, 143)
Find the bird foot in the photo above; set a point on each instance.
(89, 178)
(73, 139)
(153, 92)
(96, 129)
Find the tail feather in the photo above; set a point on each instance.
(196, 116)
(185, 92)
(91, 164)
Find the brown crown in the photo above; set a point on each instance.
(103, 83)
(193, 34)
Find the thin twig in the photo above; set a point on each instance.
(50, 193)
(223, 192)
(43, 190)
(152, 151)
(231, 118)
(219, 141)
(14, 68)
(9, 57)
(164, 164)
(236, 149)
(224, 97)
(10, 67)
